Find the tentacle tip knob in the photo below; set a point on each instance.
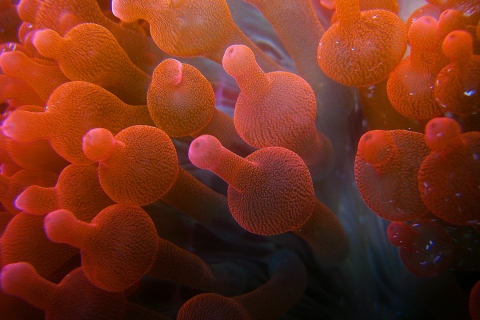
(204, 151)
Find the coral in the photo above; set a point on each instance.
(239, 159)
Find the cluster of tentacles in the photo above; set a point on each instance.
(428, 184)
(158, 142)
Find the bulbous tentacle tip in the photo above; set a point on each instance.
(426, 21)
(422, 34)
(442, 132)
(451, 19)
(57, 224)
(6, 129)
(46, 41)
(130, 11)
(204, 151)
(12, 275)
(377, 148)
(119, 10)
(458, 45)
(27, 9)
(98, 144)
(235, 57)
(400, 234)
(14, 64)
(172, 70)
(25, 201)
(11, 129)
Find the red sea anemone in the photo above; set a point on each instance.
(111, 111)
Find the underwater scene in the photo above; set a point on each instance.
(239, 159)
